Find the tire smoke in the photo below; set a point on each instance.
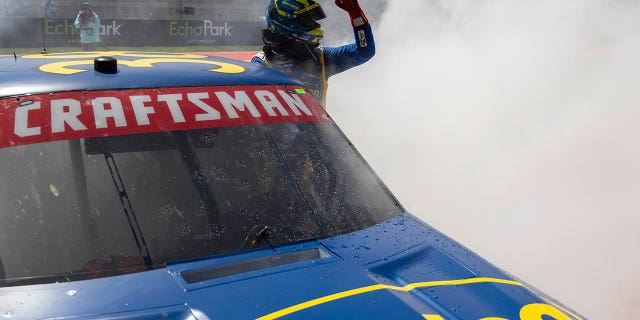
(512, 127)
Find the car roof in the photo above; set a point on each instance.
(44, 73)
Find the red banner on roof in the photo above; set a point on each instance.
(74, 115)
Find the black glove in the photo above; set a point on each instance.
(358, 19)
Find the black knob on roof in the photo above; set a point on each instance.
(105, 65)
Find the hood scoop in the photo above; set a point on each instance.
(234, 268)
(222, 269)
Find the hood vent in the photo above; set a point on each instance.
(229, 269)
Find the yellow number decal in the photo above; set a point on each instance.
(89, 55)
(535, 311)
(147, 61)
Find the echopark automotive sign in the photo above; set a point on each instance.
(131, 32)
(74, 115)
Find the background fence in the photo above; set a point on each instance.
(25, 32)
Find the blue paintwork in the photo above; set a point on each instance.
(398, 252)
(21, 75)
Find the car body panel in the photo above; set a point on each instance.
(37, 73)
(400, 268)
(427, 274)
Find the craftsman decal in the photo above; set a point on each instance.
(74, 115)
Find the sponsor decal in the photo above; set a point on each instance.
(112, 29)
(75, 115)
(362, 38)
(207, 28)
(57, 27)
(359, 21)
(133, 32)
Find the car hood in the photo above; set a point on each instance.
(398, 269)
(56, 72)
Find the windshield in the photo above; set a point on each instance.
(107, 205)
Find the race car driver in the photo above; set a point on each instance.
(292, 43)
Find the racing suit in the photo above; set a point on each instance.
(315, 69)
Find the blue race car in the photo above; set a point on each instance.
(182, 186)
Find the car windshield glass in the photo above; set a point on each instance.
(95, 207)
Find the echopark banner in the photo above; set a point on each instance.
(28, 32)
(75, 115)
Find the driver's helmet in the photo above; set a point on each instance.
(297, 18)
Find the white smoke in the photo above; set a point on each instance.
(512, 126)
